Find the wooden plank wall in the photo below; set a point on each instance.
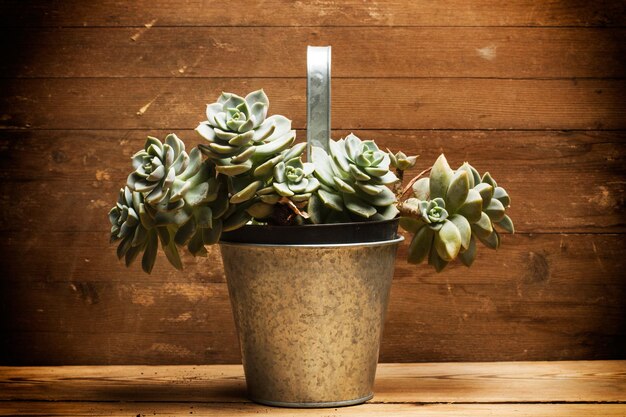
(531, 90)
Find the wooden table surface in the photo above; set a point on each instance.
(574, 388)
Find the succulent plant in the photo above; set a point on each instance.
(199, 221)
(253, 172)
(450, 210)
(133, 227)
(245, 145)
(176, 196)
(400, 161)
(161, 171)
(292, 179)
(240, 137)
(353, 177)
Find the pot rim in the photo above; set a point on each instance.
(398, 239)
(334, 234)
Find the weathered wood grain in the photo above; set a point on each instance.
(438, 103)
(579, 381)
(87, 257)
(193, 307)
(559, 181)
(85, 348)
(357, 52)
(70, 409)
(314, 13)
(538, 297)
(426, 383)
(83, 82)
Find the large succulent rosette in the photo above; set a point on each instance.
(245, 145)
(450, 210)
(354, 175)
(240, 137)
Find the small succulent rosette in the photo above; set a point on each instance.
(400, 161)
(293, 181)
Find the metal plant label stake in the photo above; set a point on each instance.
(318, 97)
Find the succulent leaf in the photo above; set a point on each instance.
(420, 245)
(483, 227)
(211, 236)
(410, 224)
(457, 190)
(492, 241)
(507, 224)
(358, 206)
(279, 144)
(421, 189)
(171, 252)
(184, 233)
(488, 180)
(265, 169)
(261, 209)
(323, 168)
(132, 254)
(247, 193)
(471, 209)
(236, 220)
(196, 244)
(465, 229)
(294, 152)
(501, 195)
(386, 213)
(495, 210)
(440, 177)
(204, 217)
(448, 241)
(331, 200)
(436, 261)
(468, 256)
(470, 174)
(149, 255)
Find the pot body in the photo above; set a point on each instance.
(309, 318)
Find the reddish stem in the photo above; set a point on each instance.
(410, 184)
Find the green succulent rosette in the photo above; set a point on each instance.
(241, 138)
(133, 227)
(293, 180)
(353, 178)
(244, 145)
(161, 171)
(450, 210)
(400, 161)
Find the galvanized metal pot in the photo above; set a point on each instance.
(310, 318)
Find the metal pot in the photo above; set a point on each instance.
(310, 318)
